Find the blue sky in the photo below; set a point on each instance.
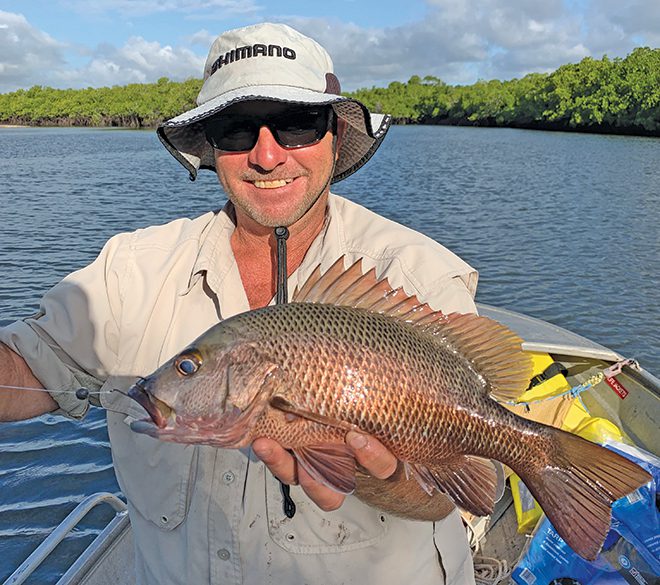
(93, 43)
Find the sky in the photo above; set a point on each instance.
(95, 43)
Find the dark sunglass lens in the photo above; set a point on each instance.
(291, 129)
(301, 128)
(232, 135)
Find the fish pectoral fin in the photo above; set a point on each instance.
(473, 483)
(331, 464)
(281, 403)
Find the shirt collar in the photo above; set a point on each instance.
(216, 263)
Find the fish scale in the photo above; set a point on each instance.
(423, 383)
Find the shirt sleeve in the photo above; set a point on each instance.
(453, 296)
(72, 341)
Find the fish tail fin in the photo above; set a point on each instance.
(576, 487)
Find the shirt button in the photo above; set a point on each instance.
(228, 477)
(223, 554)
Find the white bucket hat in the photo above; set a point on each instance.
(271, 62)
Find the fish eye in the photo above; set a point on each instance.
(188, 364)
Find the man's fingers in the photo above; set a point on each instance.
(369, 452)
(372, 454)
(277, 459)
(283, 466)
(324, 497)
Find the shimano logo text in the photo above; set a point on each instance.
(251, 51)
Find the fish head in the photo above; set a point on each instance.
(209, 393)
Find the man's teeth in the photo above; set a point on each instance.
(272, 184)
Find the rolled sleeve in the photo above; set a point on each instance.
(72, 341)
(48, 368)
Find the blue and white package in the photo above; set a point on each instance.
(631, 552)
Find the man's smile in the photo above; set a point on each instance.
(274, 184)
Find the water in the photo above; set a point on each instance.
(563, 227)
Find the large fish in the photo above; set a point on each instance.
(350, 352)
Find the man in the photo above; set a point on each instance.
(272, 123)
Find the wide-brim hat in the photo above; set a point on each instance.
(271, 62)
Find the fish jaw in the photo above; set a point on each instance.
(222, 432)
(231, 429)
(159, 412)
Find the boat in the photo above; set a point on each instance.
(610, 387)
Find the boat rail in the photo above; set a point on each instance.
(90, 555)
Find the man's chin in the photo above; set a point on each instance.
(275, 216)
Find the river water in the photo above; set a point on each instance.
(561, 226)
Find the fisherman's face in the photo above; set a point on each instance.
(271, 184)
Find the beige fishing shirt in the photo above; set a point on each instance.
(202, 515)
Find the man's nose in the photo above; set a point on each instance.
(267, 153)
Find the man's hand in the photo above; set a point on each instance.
(369, 453)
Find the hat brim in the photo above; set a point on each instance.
(184, 137)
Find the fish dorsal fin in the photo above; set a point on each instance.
(494, 350)
(363, 290)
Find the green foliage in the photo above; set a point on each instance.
(619, 95)
(134, 105)
(601, 95)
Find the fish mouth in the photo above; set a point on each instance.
(158, 411)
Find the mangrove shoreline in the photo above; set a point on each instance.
(609, 96)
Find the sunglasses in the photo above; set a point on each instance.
(292, 128)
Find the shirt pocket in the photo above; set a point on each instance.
(311, 530)
(155, 476)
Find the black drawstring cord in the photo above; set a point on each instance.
(282, 297)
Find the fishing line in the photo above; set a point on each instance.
(80, 393)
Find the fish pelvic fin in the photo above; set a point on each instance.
(577, 487)
(473, 483)
(332, 465)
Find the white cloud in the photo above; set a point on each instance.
(463, 40)
(31, 57)
(191, 8)
(202, 38)
(27, 55)
(458, 41)
(615, 27)
(137, 61)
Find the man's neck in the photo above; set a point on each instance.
(255, 251)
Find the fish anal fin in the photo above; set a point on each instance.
(331, 464)
(473, 483)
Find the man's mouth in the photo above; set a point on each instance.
(276, 184)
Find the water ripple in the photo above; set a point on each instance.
(563, 227)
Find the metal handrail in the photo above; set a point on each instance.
(29, 565)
